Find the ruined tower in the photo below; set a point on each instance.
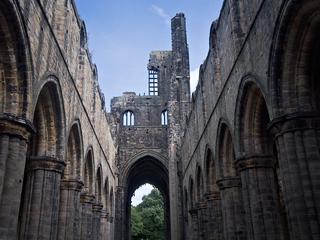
(148, 130)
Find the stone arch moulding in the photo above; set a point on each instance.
(16, 37)
(49, 92)
(89, 154)
(246, 82)
(141, 155)
(294, 37)
(222, 125)
(210, 170)
(76, 126)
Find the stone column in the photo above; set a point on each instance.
(120, 215)
(194, 223)
(14, 133)
(104, 230)
(202, 219)
(214, 225)
(40, 210)
(97, 208)
(69, 214)
(233, 216)
(111, 227)
(86, 203)
(260, 197)
(298, 146)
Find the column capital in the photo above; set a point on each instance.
(97, 207)
(212, 196)
(71, 184)
(45, 163)
(255, 161)
(104, 214)
(229, 182)
(201, 205)
(87, 198)
(15, 126)
(294, 121)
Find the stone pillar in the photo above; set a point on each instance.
(214, 225)
(69, 214)
(120, 215)
(298, 146)
(202, 219)
(14, 134)
(104, 230)
(260, 197)
(97, 208)
(233, 216)
(40, 210)
(111, 227)
(86, 203)
(195, 224)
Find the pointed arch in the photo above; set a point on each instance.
(225, 151)
(89, 171)
(49, 121)
(200, 185)
(210, 171)
(74, 152)
(15, 62)
(294, 58)
(252, 119)
(191, 193)
(98, 185)
(106, 194)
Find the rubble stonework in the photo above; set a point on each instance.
(238, 159)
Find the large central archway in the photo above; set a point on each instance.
(146, 168)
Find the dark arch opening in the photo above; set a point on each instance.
(226, 153)
(14, 76)
(150, 170)
(89, 173)
(73, 154)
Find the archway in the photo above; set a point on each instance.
(71, 186)
(214, 226)
(44, 167)
(257, 165)
(294, 87)
(146, 169)
(15, 128)
(230, 186)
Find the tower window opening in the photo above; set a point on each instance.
(153, 82)
(128, 118)
(164, 118)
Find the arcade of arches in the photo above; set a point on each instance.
(239, 159)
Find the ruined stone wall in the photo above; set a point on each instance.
(147, 133)
(236, 102)
(82, 98)
(62, 97)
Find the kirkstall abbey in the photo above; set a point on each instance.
(238, 159)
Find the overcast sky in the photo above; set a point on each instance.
(122, 33)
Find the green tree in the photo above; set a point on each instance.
(147, 219)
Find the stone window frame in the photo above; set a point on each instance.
(164, 117)
(128, 118)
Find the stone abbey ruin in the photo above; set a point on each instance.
(237, 159)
